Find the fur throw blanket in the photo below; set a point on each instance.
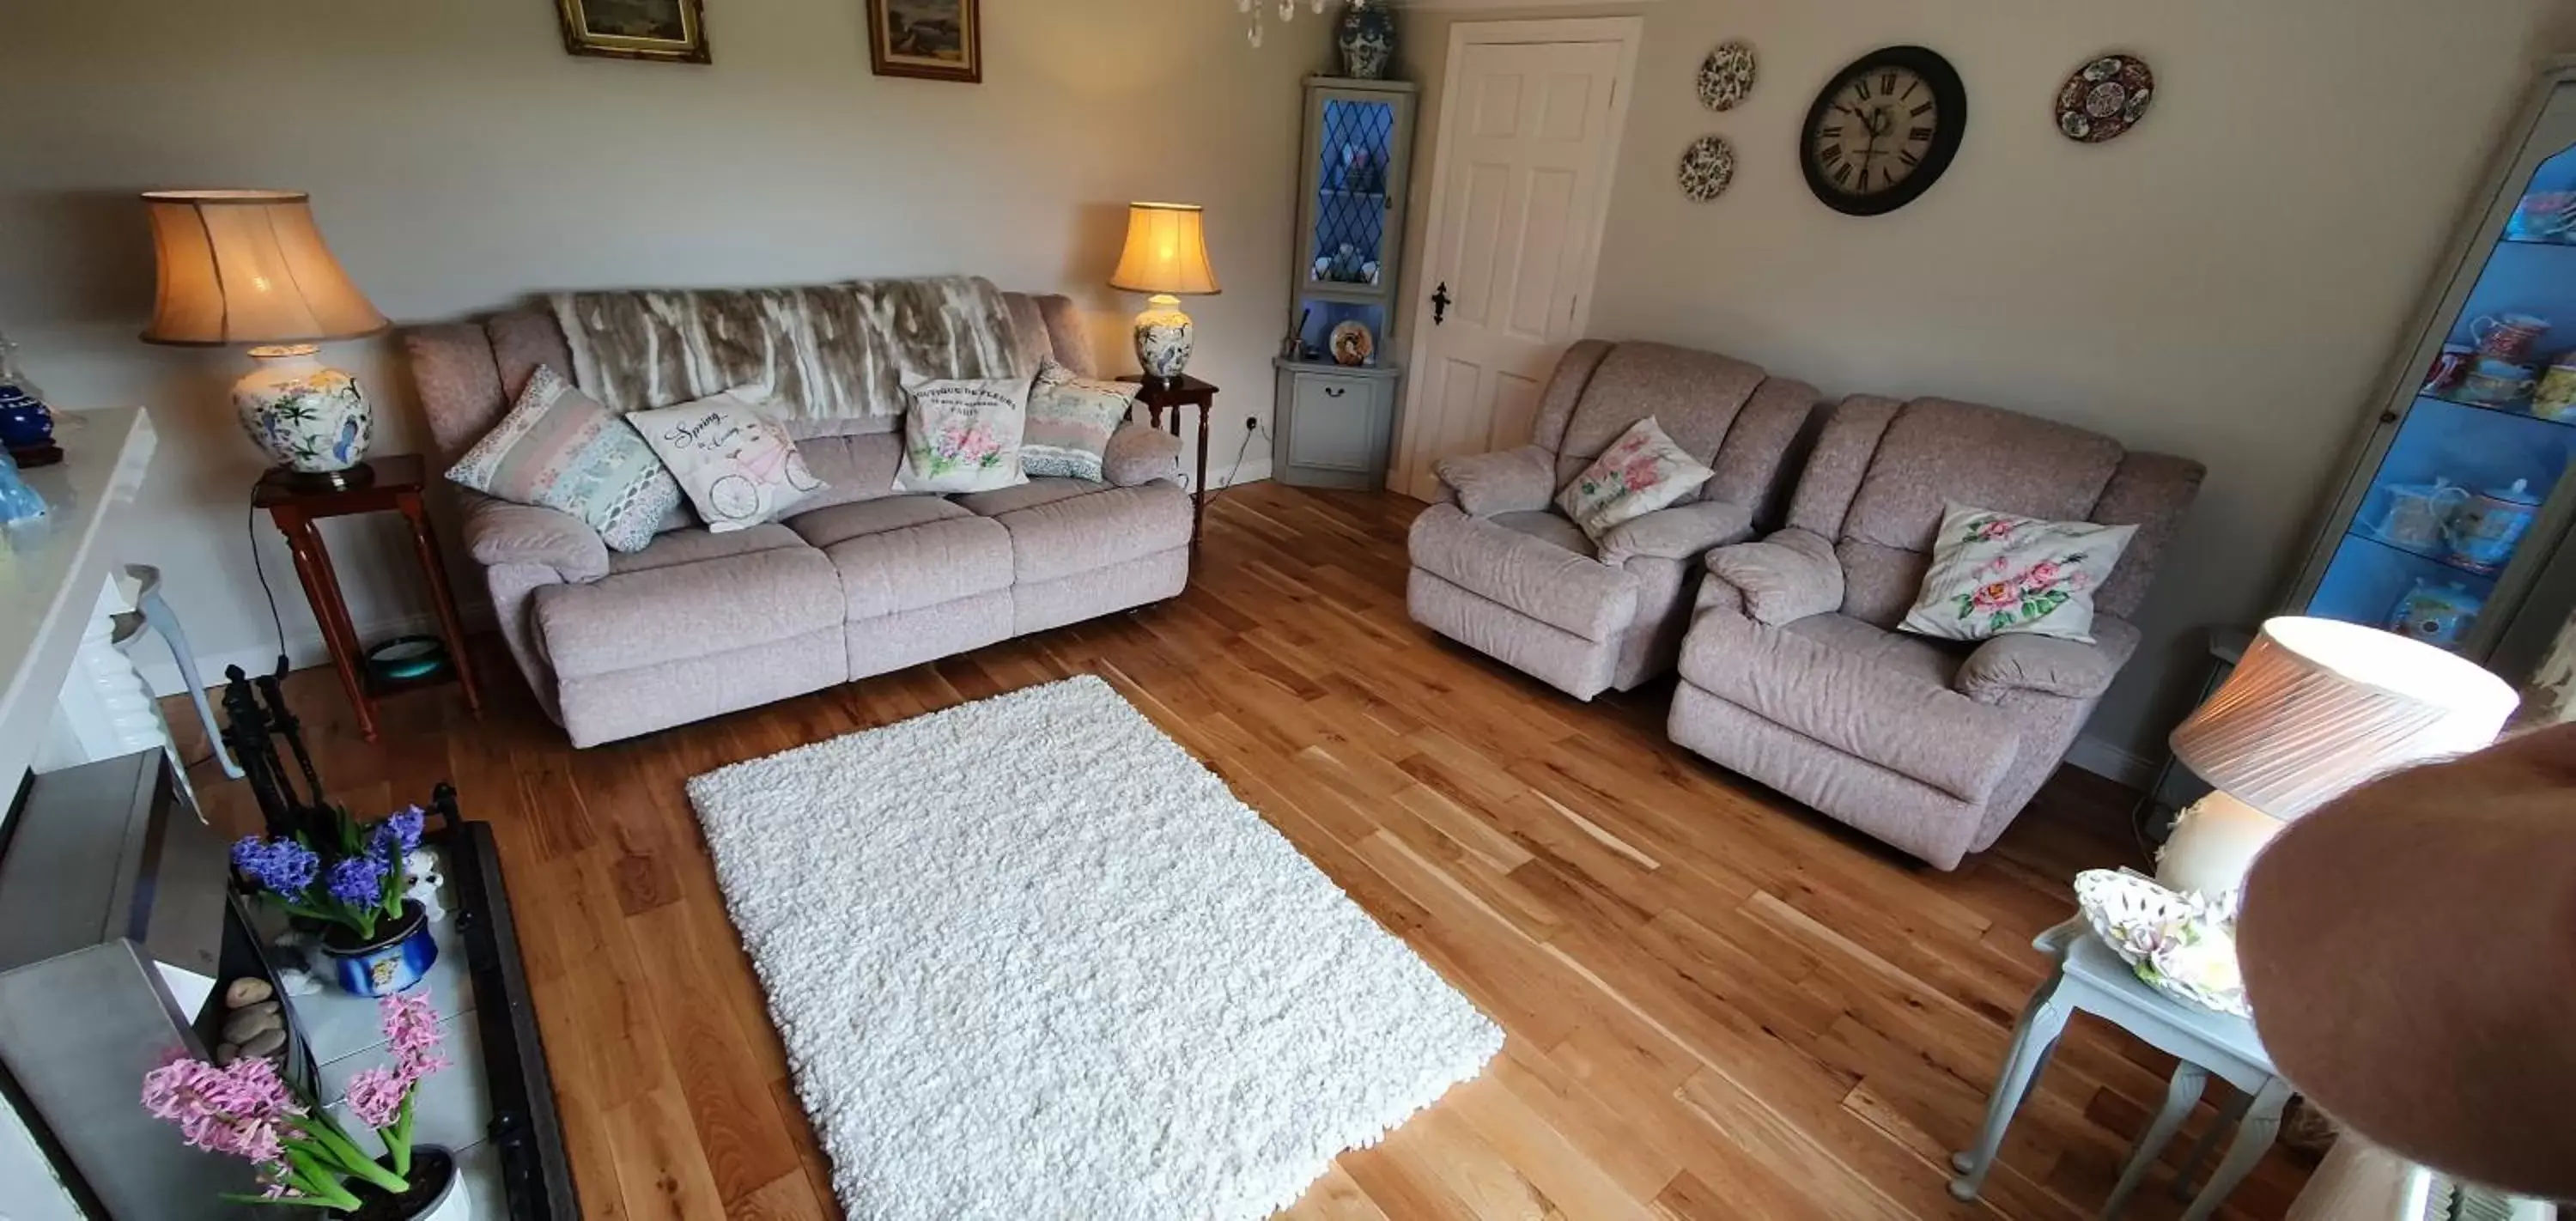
(824, 352)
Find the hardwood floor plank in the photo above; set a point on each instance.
(1717, 1004)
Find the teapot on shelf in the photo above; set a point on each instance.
(2419, 514)
(2435, 614)
(2484, 530)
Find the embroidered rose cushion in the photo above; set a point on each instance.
(738, 468)
(1994, 573)
(962, 435)
(1070, 420)
(559, 449)
(1641, 472)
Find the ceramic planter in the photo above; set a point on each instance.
(394, 959)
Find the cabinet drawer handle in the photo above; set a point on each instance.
(1334, 392)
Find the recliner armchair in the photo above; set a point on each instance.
(1498, 568)
(1792, 673)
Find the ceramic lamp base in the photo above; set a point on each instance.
(2213, 844)
(1162, 338)
(307, 417)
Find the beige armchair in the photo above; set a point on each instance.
(1498, 568)
(1792, 672)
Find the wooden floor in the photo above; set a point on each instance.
(1718, 1005)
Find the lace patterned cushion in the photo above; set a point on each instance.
(1641, 472)
(559, 449)
(1070, 421)
(962, 434)
(738, 467)
(1994, 573)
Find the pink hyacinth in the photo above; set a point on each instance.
(376, 1096)
(233, 1110)
(411, 1030)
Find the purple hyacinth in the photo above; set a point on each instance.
(281, 865)
(397, 835)
(358, 881)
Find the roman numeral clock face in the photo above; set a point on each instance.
(1883, 130)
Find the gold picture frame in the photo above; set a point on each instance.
(674, 31)
(940, 40)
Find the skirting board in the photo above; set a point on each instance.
(2112, 762)
(152, 658)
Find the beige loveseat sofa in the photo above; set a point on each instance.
(1498, 568)
(859, 581)
(1793, 673)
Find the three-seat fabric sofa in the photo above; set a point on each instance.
(859, 580)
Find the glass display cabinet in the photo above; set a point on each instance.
(2452, 524)
(1337, 368)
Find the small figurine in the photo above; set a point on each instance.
(423, 880)
(26, 425)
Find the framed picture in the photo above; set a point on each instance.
(674, 30)
(942, 40)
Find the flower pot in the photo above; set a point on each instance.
(394, 959)
(431, 1197)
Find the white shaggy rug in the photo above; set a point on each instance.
(1030, 959)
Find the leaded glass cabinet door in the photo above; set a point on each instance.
(2450, 524)
(1356, 154)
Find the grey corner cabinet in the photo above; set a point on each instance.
(1337, 375)
(2454, 522)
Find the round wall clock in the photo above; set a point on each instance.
(1882, 130)
(1707, 166)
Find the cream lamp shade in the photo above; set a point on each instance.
(1166, 252)
(248, 267)
(1166, 255)
(2315, 708)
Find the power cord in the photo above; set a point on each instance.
(250, 532)
(1252, 427)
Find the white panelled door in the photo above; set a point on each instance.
(1529, 131)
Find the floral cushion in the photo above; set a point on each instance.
(1071, 418)
(1641, 472)
(738, 468)
(1994, 573)
(962, 435)
(559, 449)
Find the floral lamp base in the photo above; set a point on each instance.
(1162, 338)
(310, 419)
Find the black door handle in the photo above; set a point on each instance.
(1439, 302)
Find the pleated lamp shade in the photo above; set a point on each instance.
(2318, 706)
(1166, 251)
(248, 267)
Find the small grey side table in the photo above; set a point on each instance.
(2091, 978)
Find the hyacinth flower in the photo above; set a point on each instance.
(305, 1157)
(353, 881)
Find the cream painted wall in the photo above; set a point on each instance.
(459, 160)
(2226, 281)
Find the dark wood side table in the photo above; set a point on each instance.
(396, 488)
(1182, 391)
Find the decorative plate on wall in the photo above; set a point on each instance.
(2104, 98)
(1726, 76)
(1708, 165)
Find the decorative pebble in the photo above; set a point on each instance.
(226, 1053)
(248, 990)
(265, 1043)
(240, 1027)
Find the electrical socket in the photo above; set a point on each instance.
(1252, 423)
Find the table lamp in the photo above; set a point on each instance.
(250, 268)
(2316, 707)
(1166, 255)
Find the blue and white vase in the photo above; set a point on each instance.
(394, 959)
(1367, 38)
(305, 415)
(1162, 338)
